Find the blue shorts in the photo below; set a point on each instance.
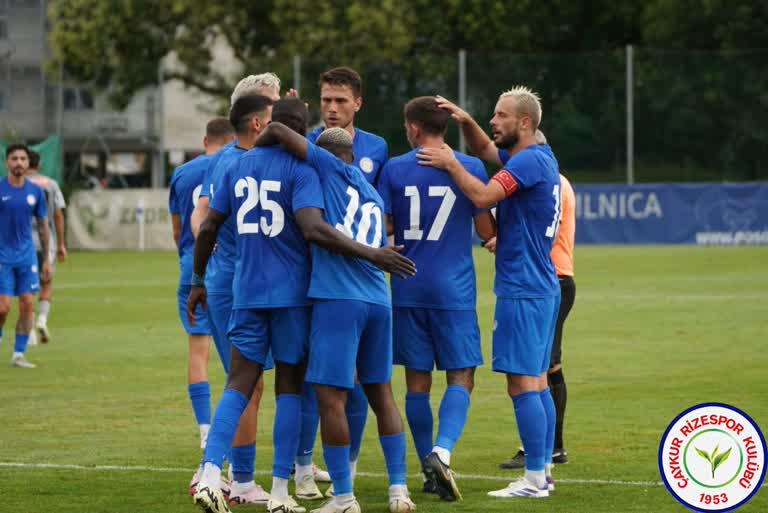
(219, 310)
(348, 335)
(201, 319)
(19, 279)
(523, 330)
(426, 337)
(279, 333)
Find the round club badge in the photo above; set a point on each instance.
(31, 200)
(712, 458)
(366, 164)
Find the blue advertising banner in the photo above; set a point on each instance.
(704, 214)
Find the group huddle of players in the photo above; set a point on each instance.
(282, 238)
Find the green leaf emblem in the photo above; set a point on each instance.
(714, 459)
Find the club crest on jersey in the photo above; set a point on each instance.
(31, 200)
(366, 164)
(33, 268)
(712, 458)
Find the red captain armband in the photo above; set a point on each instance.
(506, 180)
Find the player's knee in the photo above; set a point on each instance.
(462, 377)
(5, 308)
(418, 382)
(26, 304)
(288, 378)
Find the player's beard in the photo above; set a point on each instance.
(18, 171)
(508, 141)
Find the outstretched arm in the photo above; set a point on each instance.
(278, 133)
(477, 140)
(317, 231)
(480, 194)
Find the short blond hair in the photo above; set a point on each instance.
(528, 103)
(256, 84)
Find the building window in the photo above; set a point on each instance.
(77, 99)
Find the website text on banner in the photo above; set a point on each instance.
(704, 214)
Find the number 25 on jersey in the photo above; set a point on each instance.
(255, 195)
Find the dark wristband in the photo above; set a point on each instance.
(197, 280)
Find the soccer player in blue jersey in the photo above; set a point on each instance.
(277, 203)
(341, 98)
(527, 190)
(249, 115)
(357, 292)
(434, 313)
(20, 202)
(184, 192)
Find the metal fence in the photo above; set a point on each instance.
(633, 115)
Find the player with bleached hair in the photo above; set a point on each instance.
(527, 191)
(265, 84)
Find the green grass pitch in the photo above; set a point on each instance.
(654, 330)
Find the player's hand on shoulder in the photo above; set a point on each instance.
(457, 113)
(441, 158)
(197, 296)
(490, 245)
(389, 259)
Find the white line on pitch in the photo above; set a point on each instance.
(107, 468)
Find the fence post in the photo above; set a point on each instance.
(462, 94)
(297, 73)
(158, 167)
(630, 57)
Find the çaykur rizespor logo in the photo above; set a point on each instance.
(712, 458)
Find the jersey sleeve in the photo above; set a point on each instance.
(222, 202)
(384, 188)
(58, 196)
(307, 191)
(524, 168)
(207, 189)
(173, 200)
(323, 161)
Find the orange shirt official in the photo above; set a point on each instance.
(562, 251)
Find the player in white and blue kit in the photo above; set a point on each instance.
(527, 190)
(20, 202)
(340, 99)
(434, 313)
(184, 193)
(357, 292)
(277, 202)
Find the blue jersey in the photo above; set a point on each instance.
(354, 207)
(261, 192)
(433, 219)
(186, 185)
(528, 221)
(370, 151)
(221, 266)
(18, 205)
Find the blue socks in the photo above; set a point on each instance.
(452, 416)
(200, 395)
(285, 434)
(21, 343)
(418, 412)
(357, 414)
(394, 456)
(531, 423)
(310, 420)
(337, 461)
(222, 434)
(242, 462)
(549, 409)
